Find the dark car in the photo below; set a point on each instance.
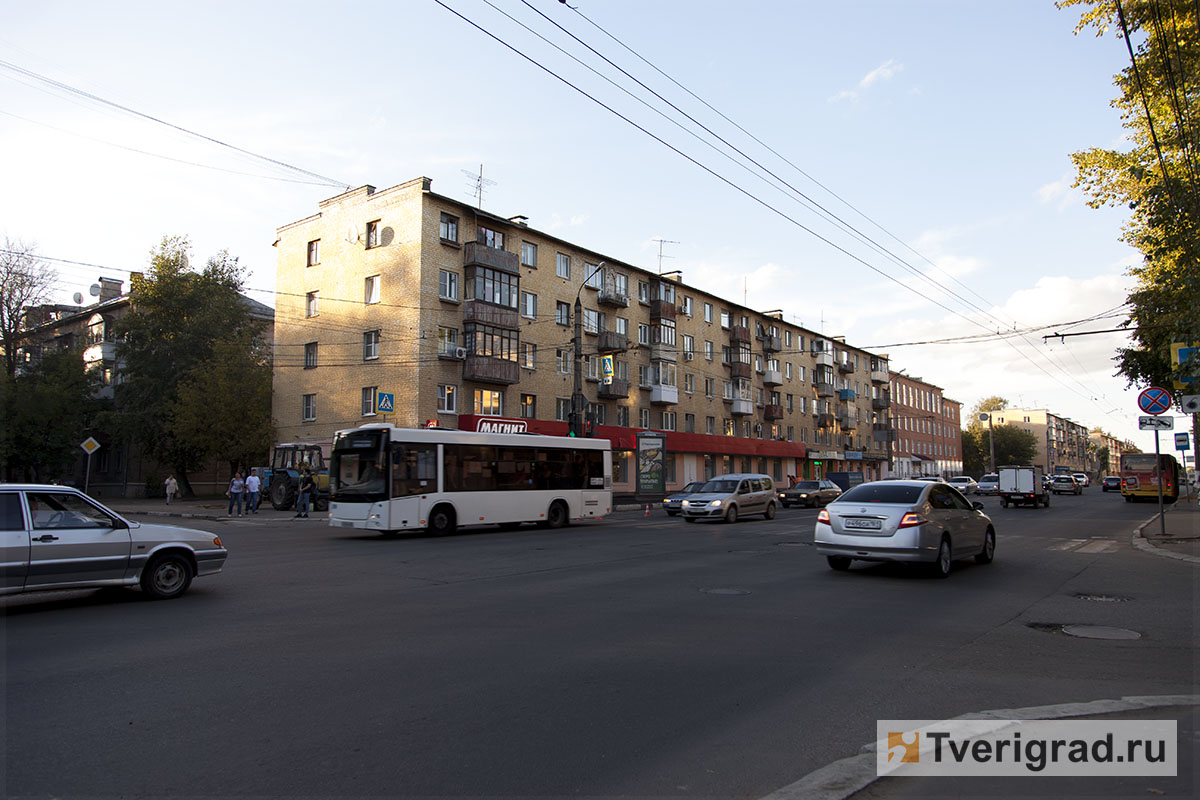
(1111, 483)
(810, 493)
(673, 501)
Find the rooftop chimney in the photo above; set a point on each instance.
(110, 289)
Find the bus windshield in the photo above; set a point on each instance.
(359, 468)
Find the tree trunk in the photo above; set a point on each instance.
(185, 486)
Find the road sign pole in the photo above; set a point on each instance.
(1162, 517)
(87, 473)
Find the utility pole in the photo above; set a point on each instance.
(991, 442)
(578, 401)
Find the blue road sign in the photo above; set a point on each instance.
(1181, 441)
(385, 402)
(1155, 400)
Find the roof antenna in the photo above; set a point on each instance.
(661, 242)
(478, 185)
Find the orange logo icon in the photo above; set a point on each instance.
(904, 747)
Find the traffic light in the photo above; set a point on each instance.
(589, 424)
(572, 419)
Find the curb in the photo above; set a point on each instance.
(845, 777)
(1140, 542)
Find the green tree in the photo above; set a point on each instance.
(25, 281)
(238, 431)
(178, 319)
(976, 446)
(49, 410)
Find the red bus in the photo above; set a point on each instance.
(1140, 478)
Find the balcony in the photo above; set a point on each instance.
(845, 367)
(100, 351)
(772, 411)
(741, 408)
(882, 432)
(824, 389)
(611, 342)
(488, 314)
(739, 334)
(616, 390)
(661, 309)
(772, 377)
(738, 369)
(845, 420)
(879, 374)
(611, 297)
(663, 352)
(489, 369)
(881, 403)
(482, 255)
(824, 358)
(771, 344)
(662, 395)
(846, 394)
(825, 420)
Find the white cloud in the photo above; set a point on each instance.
(1059, 193)
(884, 72)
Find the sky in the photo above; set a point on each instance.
(940, 130)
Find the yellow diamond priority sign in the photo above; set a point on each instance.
(90, 445)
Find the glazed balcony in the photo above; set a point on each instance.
(488, 369)
(664, 395)
(824, 389)
(661, 309)
(846, 394)
(741, 408)
(879, 373)
(739, 334)
(489, 314)
(824, 358)
(616, 390)
(845, 421)
(663, 352)
(772, 377)
(738, 369)
(772, 411)
(476, 253)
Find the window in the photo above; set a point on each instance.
(787, 339)
(528, 358)
(310, 304)
(689, 383)
(447, 398)
(687, 306)
(668, 421)
(368, 400)
(562, 361)
(622, 326)
(489, 401)
(448, 229)
(528, 406)
(725, 319)
(689, 348)
(373, 234)
(370, 345)
(528, 254)
(620, 284)
(562, 313)
(598, 413)
(314, 252)
(447, 285)
(787, 370)
(708, 312)
(664, 373)
(488, 340)
(562, 409)
(591, 321)
(665, 334)
(644, 418)
(709, 387)
(730, 427)
(689, 423)
(562, 266)
(308, 407)
(710, 425)
(643, 376)
(644, 296)
(593, 275)
(643, 333)
(490, 237)
(371, 290)
(492, 286)
(623, 416)
(708, 350)
(310, 355)
(447, 340)
(591, 367)
(529, 305)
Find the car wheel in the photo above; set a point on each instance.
(1004, 502)
(941, 567)
(732, 514)
(770, 512)
(838, 563)
(556, 517)
(1128, 498)
(168, 575)
(988, 552)
(441, 521)
(1046, 501)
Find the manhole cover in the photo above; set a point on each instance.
(725, 591)
(1102, 598)
(1100, 632)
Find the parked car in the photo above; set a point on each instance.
(933, 478)
(672, 502)
(1065, 484)
(964, 483)
(56, 537)
(731, 496)
(989, 484)
(1111, 483)
(810, 493)
(1082, 479)
(913, 521)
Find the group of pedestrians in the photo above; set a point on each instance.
(248, 486)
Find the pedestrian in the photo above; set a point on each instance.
(236, 487)
(307, 486)
(172, 486)
(252, 486)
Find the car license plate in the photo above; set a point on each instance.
(870, 524)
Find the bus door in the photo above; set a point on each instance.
(414, 479)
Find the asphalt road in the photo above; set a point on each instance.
(631, 656)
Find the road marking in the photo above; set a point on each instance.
(1070, 544)
(1097, 546)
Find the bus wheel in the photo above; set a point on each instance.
(556, 517)
(321, 504)
(441, 521)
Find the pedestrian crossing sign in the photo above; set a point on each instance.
(385, 402)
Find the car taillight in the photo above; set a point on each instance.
(911, 520)
(217, 541)
(823, 517)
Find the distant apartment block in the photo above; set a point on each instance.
(927, 429)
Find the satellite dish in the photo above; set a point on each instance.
(94, 290)
(352, 233)
(78, 298)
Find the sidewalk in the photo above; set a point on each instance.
(211, 508)
(1181, 523)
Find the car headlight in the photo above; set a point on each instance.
(716, 503)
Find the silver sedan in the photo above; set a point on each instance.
(914, 521)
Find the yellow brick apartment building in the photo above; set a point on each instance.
(465, 316)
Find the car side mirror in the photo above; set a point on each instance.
(978, 506)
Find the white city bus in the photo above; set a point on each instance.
(388, 479)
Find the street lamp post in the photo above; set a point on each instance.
(578, 401)
(991, 442)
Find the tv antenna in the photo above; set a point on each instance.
(478, 184)
(661, 242)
